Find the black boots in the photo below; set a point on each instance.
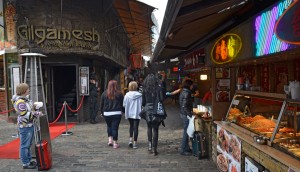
(152, 149)
(155, 151)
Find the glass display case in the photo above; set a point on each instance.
(270, 116)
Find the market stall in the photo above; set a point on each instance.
(266, 125)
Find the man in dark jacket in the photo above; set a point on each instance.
(93, 100)
(186, 112)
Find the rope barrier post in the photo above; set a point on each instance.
(66, 133)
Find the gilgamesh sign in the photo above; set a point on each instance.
(226, 48)
(287, 28)
(60, 38)
(41, 34)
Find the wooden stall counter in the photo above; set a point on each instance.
(263, 154)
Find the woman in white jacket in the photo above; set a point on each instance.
(133, 105)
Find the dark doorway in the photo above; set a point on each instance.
(64, 89)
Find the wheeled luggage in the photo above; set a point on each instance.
(43, 155)
(42, 150)
(199, 145)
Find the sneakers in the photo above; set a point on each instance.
(130, 144)
(110, 142)
(32, 165)
(135, 146)
(116, 145)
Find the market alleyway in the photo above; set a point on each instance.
(86, 150)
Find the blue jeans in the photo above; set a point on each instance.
(185, 138)
(26, 137)
(113, 123)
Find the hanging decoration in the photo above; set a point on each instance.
(136, 61)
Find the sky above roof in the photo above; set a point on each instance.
(160, 11)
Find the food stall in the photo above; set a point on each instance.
(267, 125)
(259, 122)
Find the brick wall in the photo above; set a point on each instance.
(2, 101)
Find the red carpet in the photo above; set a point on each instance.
(11, 150)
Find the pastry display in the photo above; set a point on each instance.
(286, 130)
(258, 117)
(267, 116)
(233, 114)
(244, 120)
(262, 123)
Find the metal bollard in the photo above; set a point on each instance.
(66, 133)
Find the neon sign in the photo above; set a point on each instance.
(266, 41)
(287, 28)
(226, 48)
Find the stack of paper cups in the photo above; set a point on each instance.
(201, 108)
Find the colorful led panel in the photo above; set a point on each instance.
(266, 41)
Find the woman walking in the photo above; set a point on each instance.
(133, 105)
(152, 95)
(111, 108)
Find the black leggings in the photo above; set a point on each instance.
(153, 127)
(134, 128)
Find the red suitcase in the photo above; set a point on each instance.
(43, 155)
(42, 149)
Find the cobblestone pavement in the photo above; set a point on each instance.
(87, 151)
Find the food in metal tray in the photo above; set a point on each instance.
(263, 123)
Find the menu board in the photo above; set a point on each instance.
(229, 151)
(222, 73)
(222, 84)
(223, 90)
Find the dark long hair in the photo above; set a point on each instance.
(150, 83)
(112, 89)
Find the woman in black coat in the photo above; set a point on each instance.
(152, 94)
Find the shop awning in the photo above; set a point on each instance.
(191, 24)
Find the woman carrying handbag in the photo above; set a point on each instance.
(153, 110)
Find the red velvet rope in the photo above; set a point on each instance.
(78, 106)
(5, 112)
(60, 113)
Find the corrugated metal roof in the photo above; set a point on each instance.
(136, 19)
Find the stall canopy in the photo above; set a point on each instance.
(190, 24)
(136, 19)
